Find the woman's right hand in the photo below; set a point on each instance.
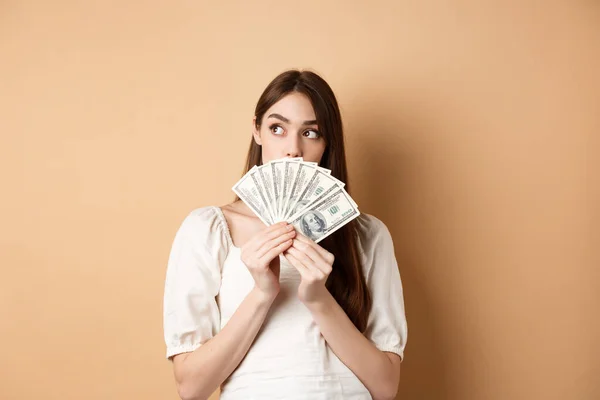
(261, 256)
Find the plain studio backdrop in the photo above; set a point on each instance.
(472, 132)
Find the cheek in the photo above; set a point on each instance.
(268, 142)
(317, 149)
(271, 148)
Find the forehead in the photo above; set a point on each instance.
(294, 106)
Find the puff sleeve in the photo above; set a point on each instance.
(190, 312)
(386, 326)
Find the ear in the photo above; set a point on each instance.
(256, 132)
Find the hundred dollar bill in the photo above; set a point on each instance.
(342, 184)
(289, 177)
(318, 184)
(292, 194)
(277, 174)
(278, 167)
(247, 190)
(326, 216)
(305, 172)
(292, 169)
(265, 173)
(262, 195)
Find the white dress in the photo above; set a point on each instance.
(206, 281)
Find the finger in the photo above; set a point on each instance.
(275, 242)
(275, 251)
(327, 256)
(315, 257)
(305, 261)
(271, 233)
(304, 272)
(307, 253)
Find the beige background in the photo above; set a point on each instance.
(472, 133)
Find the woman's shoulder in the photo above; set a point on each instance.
(370, 226)
(206, 215)
(372, 232)
(207, 223)
(206, 212)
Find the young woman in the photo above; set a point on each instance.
(267, 313)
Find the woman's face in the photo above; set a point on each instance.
(289, 129)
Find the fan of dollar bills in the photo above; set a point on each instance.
(301, 193)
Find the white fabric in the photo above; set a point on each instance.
(206, 281)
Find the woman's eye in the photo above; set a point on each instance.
(274, 129)
(312, 134)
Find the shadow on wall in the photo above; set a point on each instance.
(394, 181)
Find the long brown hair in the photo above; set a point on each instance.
(346, 281)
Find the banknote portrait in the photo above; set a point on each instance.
(313, 225)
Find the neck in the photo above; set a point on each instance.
(244, 209)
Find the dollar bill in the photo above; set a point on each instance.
(279, 183)
(248, 192)
(299, 192)
(318, 184)
(289, 177)
(278, 170)
(265, 173)
(303, 176)
(326, 216)
(262, 192)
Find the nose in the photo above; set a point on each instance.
(292, 147)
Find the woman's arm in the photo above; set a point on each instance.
(199, 373)
(191, 290)
(378, 371)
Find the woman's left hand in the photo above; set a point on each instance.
(314, 264)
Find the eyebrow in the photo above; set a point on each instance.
(284, 119)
